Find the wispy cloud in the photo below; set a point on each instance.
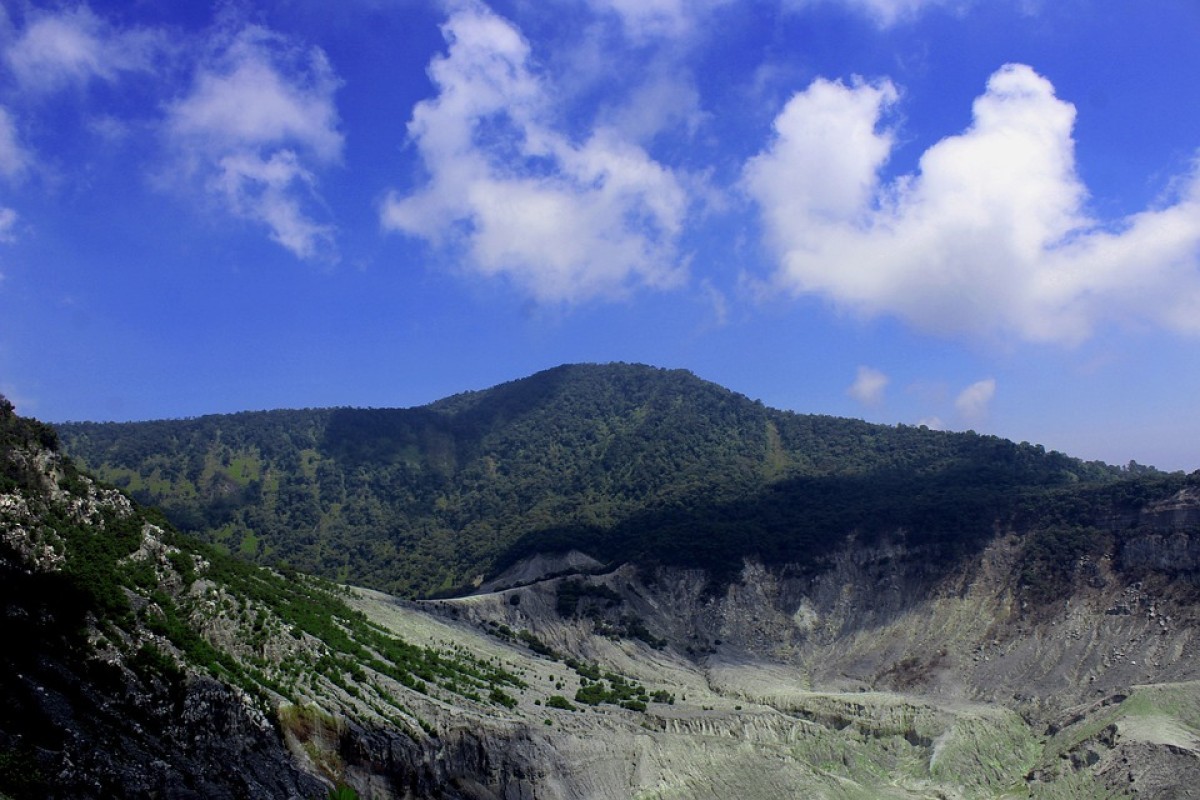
(973, 402)
(990, 237)
(884, 12)
(8, 222)
(74, 46)
(642, 20)
(257, 123)
(645, 19)
(14, 158)
(868, 387)
(565, 220)
(667, 99)
(717, 301)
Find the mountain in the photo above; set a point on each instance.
(624, 462)
(138, 663)
(1046, 658)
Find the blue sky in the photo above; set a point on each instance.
(972, 215)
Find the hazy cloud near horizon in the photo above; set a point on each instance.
(868, 387)
(972, 402)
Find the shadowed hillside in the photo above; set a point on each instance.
(644, 462)
(835, 643)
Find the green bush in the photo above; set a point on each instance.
(500, 698)
(558, 701)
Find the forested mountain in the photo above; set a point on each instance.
(621, 461)
(140, 663)
(859, 655)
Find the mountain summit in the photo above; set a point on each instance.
(846, 611)
(623, 462)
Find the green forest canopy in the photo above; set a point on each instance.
(621, 461)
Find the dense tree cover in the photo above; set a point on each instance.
(94, 537)
(19, 433)
(622, 461)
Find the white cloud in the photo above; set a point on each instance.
(75, 46)
(259, 91)
(268, 189)
(868, 386)
(972, 402)
(258, 122)
(644, 19)
(667, 99)
(718, 301)
(990, 237)
(565, 220)
(822, 167)
(14, 159)
(884, 12)
(8, 221)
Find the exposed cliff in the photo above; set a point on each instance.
(892, 675)
(91, 703)
(1051, 661)
(137, 664)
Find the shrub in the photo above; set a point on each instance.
(558, 701)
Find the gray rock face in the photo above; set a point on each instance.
(80, 715)
(878, 677)
(91, 730)
(1168, 552)
(882, 675)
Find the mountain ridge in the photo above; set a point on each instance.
(1058, 661)
(437, 497)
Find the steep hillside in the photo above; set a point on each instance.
(883, 677)
(1057, 662)
(138, 663)
(625, 462)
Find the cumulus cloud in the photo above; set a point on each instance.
(258, 122)
(991, 236)
(74, 46)
(868, 386)
(270, 188)
(972, 402)
(566, 220)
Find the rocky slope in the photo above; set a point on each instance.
(1054, 662)
(90, 708)
(138, 664)
(872, 680)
